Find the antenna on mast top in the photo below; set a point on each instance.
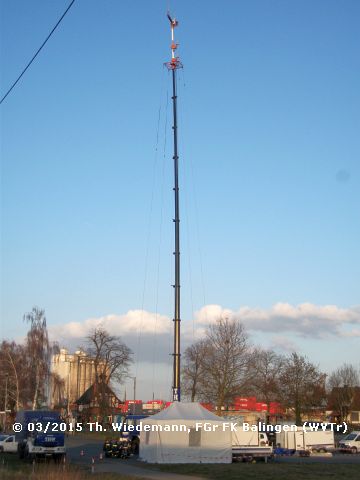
(174, 62)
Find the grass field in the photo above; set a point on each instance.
(270, 471)
(13, 469)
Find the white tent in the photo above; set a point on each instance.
(179, 434)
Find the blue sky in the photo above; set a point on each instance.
(269, 148)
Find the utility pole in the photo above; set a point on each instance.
(6, 391)
(134, 411)
(172, 66)
(68, 390)
(6, 397)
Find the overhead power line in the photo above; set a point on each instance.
(38, 51)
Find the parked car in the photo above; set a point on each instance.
(351, 443)
(8, 444)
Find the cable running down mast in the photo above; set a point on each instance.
(173, 65)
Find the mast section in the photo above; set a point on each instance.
(173, 65)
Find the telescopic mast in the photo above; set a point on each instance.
(173, 65)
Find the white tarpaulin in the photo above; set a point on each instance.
(175, 436)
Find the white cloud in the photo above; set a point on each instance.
(352, 333)
(134, 322)
(150, 334)
(283, 344)
(306, 319)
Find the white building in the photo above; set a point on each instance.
(74, 374)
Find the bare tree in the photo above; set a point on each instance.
(58, 389)
(342, 383)
(112, 359)
(227, 363)
(303, 385)
(266, 383)
(38, 353)
(193, 374)
(13, 374)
